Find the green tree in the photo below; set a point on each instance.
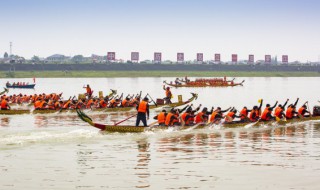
(35, 59)
(6, 55)
(77, 58)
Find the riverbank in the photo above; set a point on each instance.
(112, 74)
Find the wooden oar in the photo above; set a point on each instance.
(125, 120)
(152, 100)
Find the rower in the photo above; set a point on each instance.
(279, 112)
(161, 117)
(5, 104)
(231, 115)
(303, 110)
(217, 115)
(279, 109)
(291, 110)
(143, 112)
(268, 106)
(203, 115)
(244, 114)
(125, 102)
(254, 114)
(188, 116)
(171, 117)
(168, 95)
(266, 115)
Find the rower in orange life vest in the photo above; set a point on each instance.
(171, 117)
(279, 111)
(231, 115)
(217, 115)
(5, 104)
(161, 117)
(143, 112)
(88, 91)
(244, 114)
(188, 116)
(303, 110)
(203, 116)
(268, 106)
(267, 114)
(291, 110)
(168, 95)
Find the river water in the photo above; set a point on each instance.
(59, 151)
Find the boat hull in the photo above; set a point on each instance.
(134, 129)
(21, 86)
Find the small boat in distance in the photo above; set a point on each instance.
(19, 85)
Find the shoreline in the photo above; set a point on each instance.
(159, 73)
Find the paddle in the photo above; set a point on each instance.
(125, 119)
(152, 100)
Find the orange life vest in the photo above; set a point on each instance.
(199, 117)
(277, 112)
(251, 115)
(124, 103)
(213, 115)
(103, 104)
(4, 104)
(289, 114)
(168, 118)
(143, 107)
(37, 104)
(264, 115)
(161, 117)
(301, 111)
(168, 94)
(243, 113)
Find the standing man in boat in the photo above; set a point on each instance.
(88, 91)
(143, 112)
(168, 95)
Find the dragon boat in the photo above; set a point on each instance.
(116, 109)
(153, 127)
(205, 84)
(4, 91)
(21, 86)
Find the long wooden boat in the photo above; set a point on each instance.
(204, 84)
(117, 109)
(134, 129)
(127, 128)
(21, 86)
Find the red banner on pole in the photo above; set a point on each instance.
(251, 59)
(157, 57)
(267, 59)
(217, 57)
(134, 56)
(111, 56)
(200, 57)
(234, 58)
(180, 57)
(285, 59)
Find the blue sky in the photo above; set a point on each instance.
(71, 27)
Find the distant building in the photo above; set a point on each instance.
(56, 58)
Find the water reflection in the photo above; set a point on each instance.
(142, 167)
(5, 121)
